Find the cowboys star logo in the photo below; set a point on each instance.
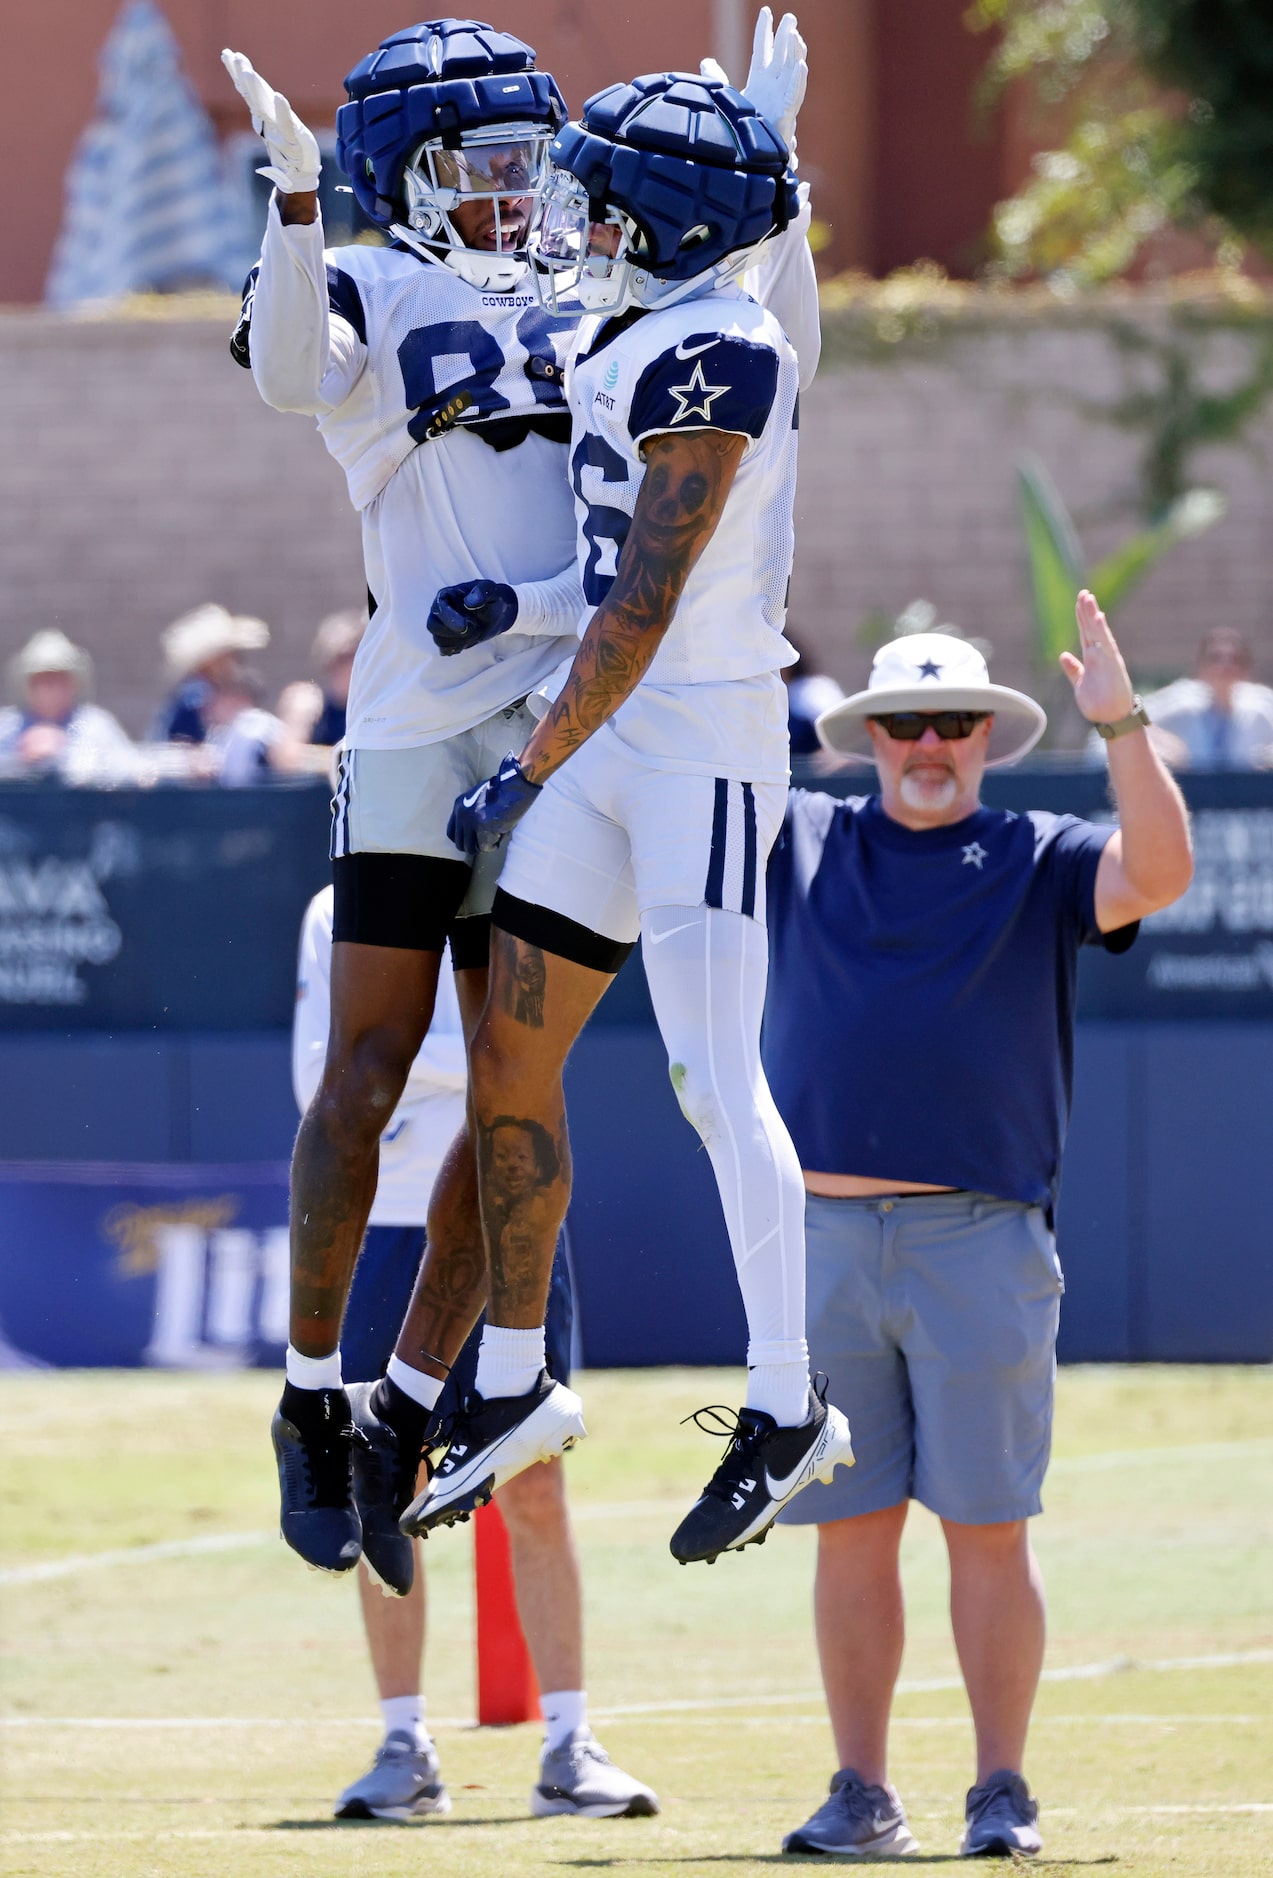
(974, 855)
(697, 397)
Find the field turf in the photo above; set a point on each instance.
(193, 1712)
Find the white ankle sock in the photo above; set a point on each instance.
(778, 1380)
(314, 1372)
(404, 1715)
(508, 1361)
(564, 1711)
(413, 1382)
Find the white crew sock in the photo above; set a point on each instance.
(564, 1711)
(778, 1380)
(413, 1382)
(508, 1361)
(404, 1715)
(314, 1372)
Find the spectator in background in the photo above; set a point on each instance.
(203, 653)
(50, 728)
(242, 737)
(1218, 719)
(313, 715)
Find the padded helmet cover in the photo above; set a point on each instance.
(684, 156)
(438, 79)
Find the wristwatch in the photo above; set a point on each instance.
(1136, 719)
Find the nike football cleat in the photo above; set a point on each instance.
(313, 1441)
(384, 1482)
(489, 1442)
(764, 1468)
(579, 1777)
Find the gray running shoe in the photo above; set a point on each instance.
(855, 1821)
(401, 1783)
(1002, 1818)
(580, 1777)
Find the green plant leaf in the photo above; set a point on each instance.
(1121, 572)
(1055, 559)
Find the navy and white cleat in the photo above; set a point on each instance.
(489, 1442)
(384, 1483)
(313, 1439)
(764, 1467)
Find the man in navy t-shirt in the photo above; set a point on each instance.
(919, 1045)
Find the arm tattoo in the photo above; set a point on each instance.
(521, 987)
(687, 479)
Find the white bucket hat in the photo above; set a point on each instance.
(933, 672)
(204, 634)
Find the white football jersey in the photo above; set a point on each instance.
(431, 1112)
(439, 401)
(718, 362)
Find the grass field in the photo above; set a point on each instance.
(195, 1713)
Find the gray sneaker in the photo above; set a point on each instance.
(1002, 1818)
(855, 1821)
(401, 1783)
(580, 1777)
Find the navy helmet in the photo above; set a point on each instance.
(688, 173)
(442, 113)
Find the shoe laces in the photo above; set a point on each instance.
(726, 1424)
(325, 1464)
(1005, 1792)
(859, 1800)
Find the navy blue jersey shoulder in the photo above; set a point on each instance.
(708, 381)
(920, 1022)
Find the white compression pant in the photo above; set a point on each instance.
(707, 971)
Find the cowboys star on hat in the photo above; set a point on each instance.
(933, 672)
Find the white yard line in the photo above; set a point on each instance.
(1080, 1672)
(76, 1562)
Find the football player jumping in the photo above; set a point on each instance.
(436, 379)
(657, 777)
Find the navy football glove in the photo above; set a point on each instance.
(482, 817)
(464, 616)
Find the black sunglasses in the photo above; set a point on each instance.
(909, 726)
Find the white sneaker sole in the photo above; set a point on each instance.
(549, 1430)
(402, 1815)
(544, 1808)
(898, 1842)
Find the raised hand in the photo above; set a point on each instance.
(294, 163)
(1102, 689)
(777, 76)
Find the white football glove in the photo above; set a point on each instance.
(294, 162)
(777, 76)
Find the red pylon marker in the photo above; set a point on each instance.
(506, 1686)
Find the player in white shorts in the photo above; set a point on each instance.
(436, 379)
(656, 781)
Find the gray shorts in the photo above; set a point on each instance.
(399, 801)
(935, 1318)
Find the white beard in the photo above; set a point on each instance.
(926, 792)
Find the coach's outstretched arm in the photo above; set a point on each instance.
(1148, 863)
(687, 478)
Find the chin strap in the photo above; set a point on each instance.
(490, 273)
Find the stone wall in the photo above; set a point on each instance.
(141, 474)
